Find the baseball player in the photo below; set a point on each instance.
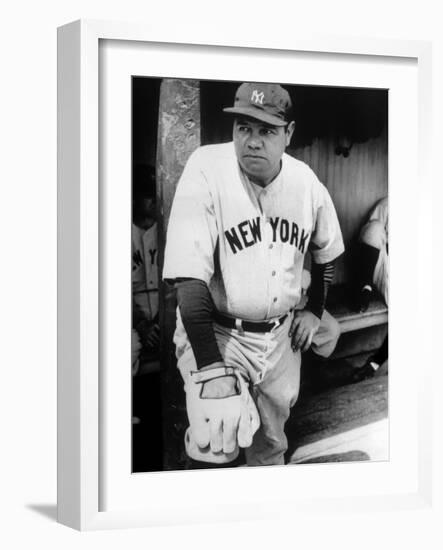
(373, 252)
(243, 218)
(145, 333)
(374, 271)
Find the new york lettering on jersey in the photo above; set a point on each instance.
(249, 232)
(145, 269)
(263, 237)
(246, 242)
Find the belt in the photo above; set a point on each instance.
(248, 326)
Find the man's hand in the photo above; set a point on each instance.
(303, 328)
(149, 333)
(222, 415)
(219, 388)
(152, 336)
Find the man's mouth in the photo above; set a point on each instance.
(254, 157)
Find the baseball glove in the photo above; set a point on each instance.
(218, 426)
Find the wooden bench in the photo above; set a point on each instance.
(361, 333)
(340, 307)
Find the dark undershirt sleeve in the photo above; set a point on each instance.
(196, 307)
(368, 258)
(321, 278)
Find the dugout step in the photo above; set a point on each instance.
(340, 306)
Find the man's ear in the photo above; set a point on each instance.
(289, 132)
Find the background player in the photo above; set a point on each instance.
(146, 386)
(244, 216)
(145, 333)
(373, 262)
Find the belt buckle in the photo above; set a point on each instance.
(278, 321)
(239, 326)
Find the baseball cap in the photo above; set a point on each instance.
(266, 102)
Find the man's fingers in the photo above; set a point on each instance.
(294, 324)
(296, 332)
(308, 342)
(245, 431)
(305, 346)
(151, 341)
(230, 427)
(299, 338)
(153, 336)
(200, 432)
(216, 431)
(254, 419)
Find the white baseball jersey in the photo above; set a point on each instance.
(246, 242)
(145, 269)
(380, 214)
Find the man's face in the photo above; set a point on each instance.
(145, 213)
(259, 147)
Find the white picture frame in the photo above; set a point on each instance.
(81, 441)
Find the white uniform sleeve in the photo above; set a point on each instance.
(326, 241)
(380, 213)
(192, 230)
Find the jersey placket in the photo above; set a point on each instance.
(257, 195)
(273, 256)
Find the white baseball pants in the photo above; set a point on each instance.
(273, 371)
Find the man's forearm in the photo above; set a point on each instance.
(196, 307)
(321, 278)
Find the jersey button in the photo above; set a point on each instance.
(271, 246)
(275, 299)
(273, 273)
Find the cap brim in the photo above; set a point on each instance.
(257, 114)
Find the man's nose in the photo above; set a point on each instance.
(254, 141)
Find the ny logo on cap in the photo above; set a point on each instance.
(257, 97)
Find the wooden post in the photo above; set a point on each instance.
(178, 137)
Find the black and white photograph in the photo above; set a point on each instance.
(222, 230)
(260, 274)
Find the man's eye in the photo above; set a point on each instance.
(267, 132)
(243, 128)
